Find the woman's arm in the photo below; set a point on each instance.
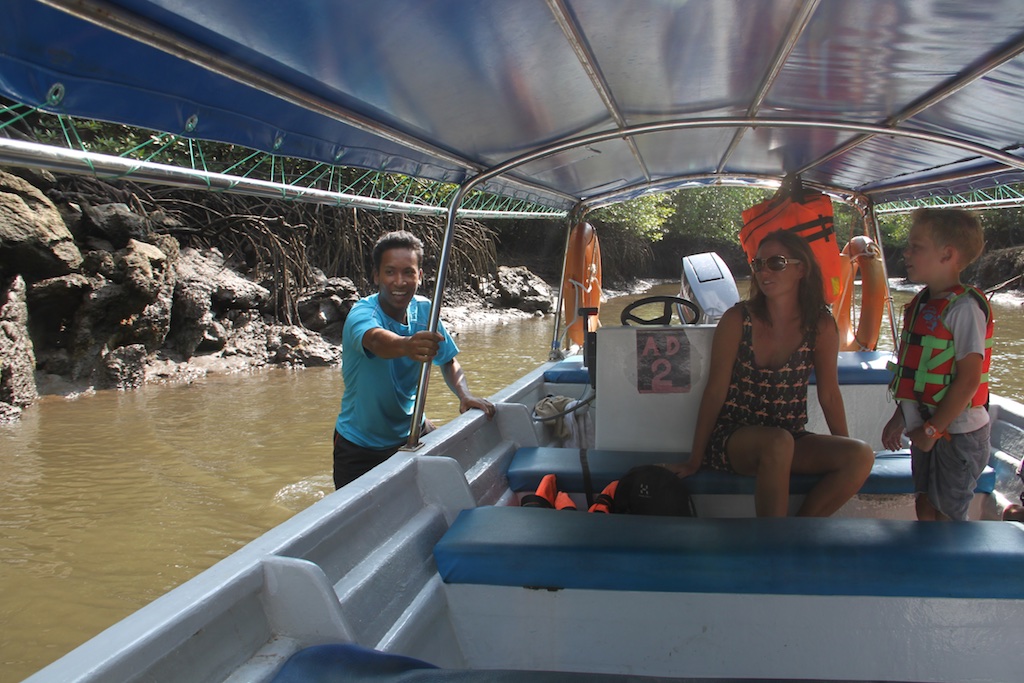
(826, 361)
(724, 348)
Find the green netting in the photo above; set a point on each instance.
(293, 176)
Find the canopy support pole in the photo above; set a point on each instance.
(874, 231)
(434, 320)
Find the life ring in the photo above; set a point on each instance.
(863, 255)
(581, 286)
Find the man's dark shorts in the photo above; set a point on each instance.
(352, 461)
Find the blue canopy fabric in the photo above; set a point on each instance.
(446, 89)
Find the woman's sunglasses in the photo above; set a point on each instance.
(775, 263)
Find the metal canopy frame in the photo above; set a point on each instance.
(746, 64)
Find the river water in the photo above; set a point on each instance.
(111, 499)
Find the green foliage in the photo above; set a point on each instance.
(714, 212)
(644, 216)
(1003, 227)
(894, 228)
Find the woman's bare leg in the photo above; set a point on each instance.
(765, 453)
(845, 464)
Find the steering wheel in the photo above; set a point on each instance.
(667, 302)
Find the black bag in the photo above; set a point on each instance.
(653, 490)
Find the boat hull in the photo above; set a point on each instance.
(359, 567)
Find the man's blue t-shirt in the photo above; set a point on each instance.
(379, 396)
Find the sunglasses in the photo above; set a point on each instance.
(775, 263)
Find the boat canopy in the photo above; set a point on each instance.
(556, 102)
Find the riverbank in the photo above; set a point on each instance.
(98, 292)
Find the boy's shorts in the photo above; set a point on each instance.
(949, 473)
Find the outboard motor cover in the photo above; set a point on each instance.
(709, 283)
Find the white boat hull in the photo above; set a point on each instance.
(358, 567)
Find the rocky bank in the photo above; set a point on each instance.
(97, 296)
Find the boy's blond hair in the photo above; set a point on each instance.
(953, 228)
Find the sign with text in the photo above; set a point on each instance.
(662, 362)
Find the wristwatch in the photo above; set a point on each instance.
(931, 431)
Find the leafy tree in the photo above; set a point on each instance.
(644, 216)
(1003, 227)
(714, 212)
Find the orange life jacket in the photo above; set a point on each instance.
(548, 496)
(927, 359)
(605, 499)
(808, 214)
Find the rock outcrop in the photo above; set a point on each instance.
(517, 287)
(33, 235)
(17, 358)
(97, 295)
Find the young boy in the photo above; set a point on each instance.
(941, 375)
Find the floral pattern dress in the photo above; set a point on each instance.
(767, 397)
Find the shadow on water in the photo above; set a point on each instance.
(112, 499)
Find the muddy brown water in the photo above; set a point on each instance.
(111, 499)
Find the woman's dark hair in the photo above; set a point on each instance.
(397, 239)
(810, 294)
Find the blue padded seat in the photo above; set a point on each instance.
(568, 371)
(863, 367)
(889, 475)
(553, 549)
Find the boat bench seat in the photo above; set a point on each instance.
(568, 371)
(554, 549)
(889, 475)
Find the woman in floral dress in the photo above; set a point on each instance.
(753, 413)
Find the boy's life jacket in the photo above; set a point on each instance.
(926, 361)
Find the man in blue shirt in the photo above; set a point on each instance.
(385, 342)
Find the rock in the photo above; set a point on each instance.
(130, 307)
(53, 303)
(999, 266)
(149, 273)
(518, 288)
(125, 367)
(37, 177)
(205, 288)
(228, 289)
(291, 345)
(34, 241)
(115, 222)
(9, 413)
(247, 335)
(191, 315)
(17, 357)
(127, 301)
(329, 305)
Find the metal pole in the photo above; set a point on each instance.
(63, 160)
(435, 317)
(875, 232)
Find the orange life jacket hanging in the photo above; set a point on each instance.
(808, 214)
